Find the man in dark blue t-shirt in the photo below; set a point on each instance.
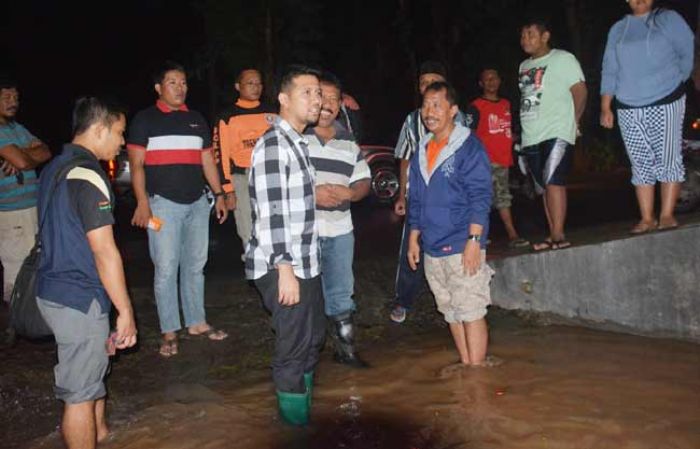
(80, 271)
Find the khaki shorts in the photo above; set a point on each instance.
(459, 297)
(502, 197)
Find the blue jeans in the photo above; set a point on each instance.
(336, 273)
(409, 283)
(182, 242)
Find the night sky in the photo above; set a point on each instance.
(60, 50)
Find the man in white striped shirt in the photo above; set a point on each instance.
(342, 177)
(282, 255)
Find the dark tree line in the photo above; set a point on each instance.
(375, 46)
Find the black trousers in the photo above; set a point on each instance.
(299, 330)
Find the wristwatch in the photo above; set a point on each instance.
(475, 237)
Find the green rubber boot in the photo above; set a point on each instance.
(309, 382)
(294, 407)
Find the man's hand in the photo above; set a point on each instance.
(126, 330)
(471, 257)
(400, 205)
(342, 193)
(607, 118)
(141, 215)
(326, 196)
(221, 209)
(288, 285)
(413, 253)
(231, 201)
(7, 168)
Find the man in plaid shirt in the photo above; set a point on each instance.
(282, 256)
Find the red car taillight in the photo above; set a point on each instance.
(112, 169)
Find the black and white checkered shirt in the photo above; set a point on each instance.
(283, 205)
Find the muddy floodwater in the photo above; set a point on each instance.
(558, 387)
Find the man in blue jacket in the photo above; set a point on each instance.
(448, 213)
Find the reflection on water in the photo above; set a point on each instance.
(558, 387)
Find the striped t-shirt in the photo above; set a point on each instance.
(338, 161)
(173, 142)
(17, 192)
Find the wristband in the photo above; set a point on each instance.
(218, 194)
(475, 237)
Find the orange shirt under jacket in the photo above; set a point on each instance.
(433, 150)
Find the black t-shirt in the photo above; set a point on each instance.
(173, 142)
(90, 198)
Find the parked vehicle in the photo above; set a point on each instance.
(120, 175)
(689, 197)
(385, 171)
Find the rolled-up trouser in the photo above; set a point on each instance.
(82, 354)
(18, 230)
(299, 330)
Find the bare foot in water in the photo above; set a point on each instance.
(490, 361)
(102, 432)
(452, 369)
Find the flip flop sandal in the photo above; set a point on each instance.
(544, 245)
(643, 228)
(561, 244)
(211, 334)
(518, 243)
(168, 348)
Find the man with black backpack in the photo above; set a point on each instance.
(80, 271)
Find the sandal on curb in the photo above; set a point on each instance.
(666, 226)
(168, 348)
(210, 334)
(518, 243)
(644, 227)
(544, 245)
(561, 244)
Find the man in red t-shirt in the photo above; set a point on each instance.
(490, 117)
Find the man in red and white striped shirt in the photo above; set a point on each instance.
(170, 158)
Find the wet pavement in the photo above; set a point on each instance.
(558, 386)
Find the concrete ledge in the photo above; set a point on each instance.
(647, 285)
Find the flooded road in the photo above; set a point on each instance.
(557, 386)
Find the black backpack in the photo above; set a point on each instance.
(25, 318)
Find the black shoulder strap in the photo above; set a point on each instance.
(58, 176)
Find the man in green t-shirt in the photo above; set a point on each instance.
(553, 97)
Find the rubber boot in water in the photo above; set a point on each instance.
(344, 337)
(294, 407)
(309, 383)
